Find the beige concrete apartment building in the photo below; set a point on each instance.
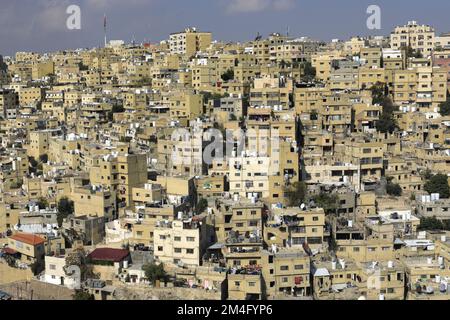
(178, 243)
(189, 41)
(418, 37)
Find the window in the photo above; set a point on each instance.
(177, 239)
(298, 240)
(315, 218)
(160, 248)
(177, 250)
(52, 267)
(299, 267)
(253, 223)
(252, 284)
(190, 251)
(190, 239)
(284, 268)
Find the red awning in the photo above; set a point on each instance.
(9, 251)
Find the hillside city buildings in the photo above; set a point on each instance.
(278, 168)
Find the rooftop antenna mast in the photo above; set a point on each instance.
(104, 27)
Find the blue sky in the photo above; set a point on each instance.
(40, 25)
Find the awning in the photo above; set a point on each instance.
(339, 287)
(321, 272)
(9, 251)
(216, 246)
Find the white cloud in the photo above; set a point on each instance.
(237, 6)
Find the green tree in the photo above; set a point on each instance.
(116, 108)
(155, 272)
(411, 53)
(296, 193)
(36, 268)
(33, 162)
(42, 203)
(332, 243)
(433, 224)
(387, 123)
(82, 295)
(329, 202)
(65, 208)
(394, 189)
(228, 75)
(438, 184)
(43, 158)
(309, 72)
(444, 108)
(202, 205)
(314, 115)
(78, 257)
(211, 96)
(427, 174)
(378, 93)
